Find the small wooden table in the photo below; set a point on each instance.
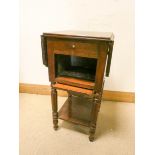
(77, 62)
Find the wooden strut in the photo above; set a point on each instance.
(70, 104)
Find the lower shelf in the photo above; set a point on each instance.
(65, 114)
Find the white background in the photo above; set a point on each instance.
(117, 16)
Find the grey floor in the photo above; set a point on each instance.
(114, 133)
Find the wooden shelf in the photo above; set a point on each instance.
(64, 114)
(73, 89)
(75, 82)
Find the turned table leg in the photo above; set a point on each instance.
(54, 107)
(94, 114)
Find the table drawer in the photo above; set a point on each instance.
(75, 48)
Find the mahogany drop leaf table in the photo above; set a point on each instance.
(77, 63)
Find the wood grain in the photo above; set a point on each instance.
(75, 82)
(72, 89)
(74, 48)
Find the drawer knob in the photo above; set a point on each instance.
(73, 46)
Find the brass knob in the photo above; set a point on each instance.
(73, 46)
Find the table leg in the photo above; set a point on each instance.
(54, 107)
(94, 115)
